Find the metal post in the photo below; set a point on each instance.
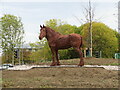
(119, 17)
(100, 54)
(85, 52)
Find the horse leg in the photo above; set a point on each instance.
(81, 56)
(81, 59)
(53, 62)
(58, 63)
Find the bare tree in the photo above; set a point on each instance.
(89, 13)
(90, 17)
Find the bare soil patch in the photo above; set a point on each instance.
(63, 77)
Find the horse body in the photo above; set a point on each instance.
(58, 41)
(63, 42)
(67, 41)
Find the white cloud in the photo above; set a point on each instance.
(58, 0)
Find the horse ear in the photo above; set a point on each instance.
(40, 26)
(43, 26)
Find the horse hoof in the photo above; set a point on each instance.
(80, 65)
(53, 64)
(58, 64)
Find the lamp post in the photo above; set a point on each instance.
(119, 17)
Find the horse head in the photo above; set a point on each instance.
(42, 32)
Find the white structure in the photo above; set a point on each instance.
(119, 17)
(28, 67)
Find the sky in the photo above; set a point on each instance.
(57, 0)
(36, 12)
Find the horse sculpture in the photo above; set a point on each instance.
(58, 41)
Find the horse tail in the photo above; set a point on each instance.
(81, 42)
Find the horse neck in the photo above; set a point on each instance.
(51, 34)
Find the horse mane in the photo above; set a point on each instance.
(52, 31)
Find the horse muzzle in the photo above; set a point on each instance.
(40, 38)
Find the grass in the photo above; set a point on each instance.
(7, 84)
(113, 64)
(88, 61)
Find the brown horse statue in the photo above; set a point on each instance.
(58, 41)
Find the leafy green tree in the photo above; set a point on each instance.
(54, 23)
(11, 29)
(66, 29)
(104, 39)
(61, 26)
(118, 37)
(43, 51)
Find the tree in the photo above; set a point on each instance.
(104, 38)
(89, 18)
(66, 29)
(11, 29)
(61, 26)
(118, 37)
(43, 51)
(89, 13)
